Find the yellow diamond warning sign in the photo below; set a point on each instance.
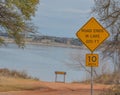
(92, 34)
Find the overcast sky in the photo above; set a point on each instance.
(62, 18)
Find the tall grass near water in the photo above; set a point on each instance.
(4, 72)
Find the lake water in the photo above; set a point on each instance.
(41, 61)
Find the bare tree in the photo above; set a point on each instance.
(77, 62)
(108, 12)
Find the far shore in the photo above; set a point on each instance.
(52, 44)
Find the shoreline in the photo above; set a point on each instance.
(51, 44)
(55, 45)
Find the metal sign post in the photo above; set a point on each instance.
(91, 80)
(93, 59)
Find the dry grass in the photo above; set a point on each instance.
(16, 74)
(108, 78)
(12, 80)
(114, 90)
(17, 84)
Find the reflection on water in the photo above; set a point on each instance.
(40, 61)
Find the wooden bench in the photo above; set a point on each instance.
(59, 73)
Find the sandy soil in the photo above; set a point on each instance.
(49, 88)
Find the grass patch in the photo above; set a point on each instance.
(109, 79)
(18, 84)
(114, 90)
(12, 80)
(15, 74)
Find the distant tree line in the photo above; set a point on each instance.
(71, 41)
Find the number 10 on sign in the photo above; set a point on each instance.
(92, 60)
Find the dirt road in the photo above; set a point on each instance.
(47, 88)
